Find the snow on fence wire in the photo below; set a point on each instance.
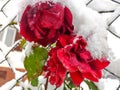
(18, 76)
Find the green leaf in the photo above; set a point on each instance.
(35, 61)
(34, 82)
(29, 89)
(91, 85)
(72, 85)
(68, 84)
(22, 43)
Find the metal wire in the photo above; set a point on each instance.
(2, 10)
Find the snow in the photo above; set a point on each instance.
(113, 16)
(116, 26)
(114, 44)
(103, 5)
(3, 19)
(1, 56)
(88, 23)
(26, 84)
(17, 88)
(84, 86)
(114, 67)
(8, 85)
(28, 48)
(92, 26)
(19, 74)
(12, 57)
(108, 84)
(15, 58)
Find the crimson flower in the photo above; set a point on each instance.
(45, 21)
(55, 69)
(70, 55)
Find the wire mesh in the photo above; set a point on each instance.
(11, 19)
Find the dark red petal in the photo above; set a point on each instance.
(24, 29)
(99, 64)
(52, 80)
(98, 74)
(84, 67)
(68, 60)
(66, 40)
(76, 77)
(52, 33)
(82, 42)
(86, 56)
(55, 69)
(90, 76)
(61, 75)
(43, 5)
(68, 16)
(44, 22)
(53, 17)
(59, 82)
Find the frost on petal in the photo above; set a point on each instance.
(25, 28)
(68, 59)
(44, 22)
(94, 31)
(92, 26)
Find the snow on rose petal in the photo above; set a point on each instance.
(45, 21)
(71, 54)
(68, 60)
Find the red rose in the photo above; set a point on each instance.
(55, 70)
(78, 61)
(44, 22)
(71, 54)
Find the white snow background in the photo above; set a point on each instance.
(89, 21)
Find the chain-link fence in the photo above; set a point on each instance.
(9, 28)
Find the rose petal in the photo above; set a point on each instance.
(66, 40)
(99, 64)
(90, 76)
(24, 29)
(98, 74)
(68, 16)
(68, 60)
(55, 69)
(76, 77)
(86, 56)
(44, 22)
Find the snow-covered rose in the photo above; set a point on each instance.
(45, 21)
(70, 56)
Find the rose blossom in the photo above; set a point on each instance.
(70, 55)
(45, 21)
(55, 69)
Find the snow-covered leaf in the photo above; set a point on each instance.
(35, 62)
